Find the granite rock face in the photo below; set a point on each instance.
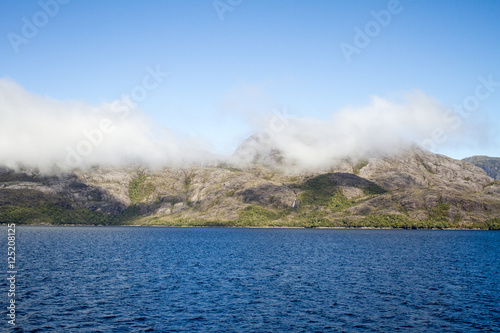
(413, 188)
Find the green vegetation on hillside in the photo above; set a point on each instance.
(259, 216)
(139, 189)
(34, 207)
(252, 198)
(493, 224)
(373, 189)
(53, 213)
(336, 201)
(323, 191)
(320, 191)
(358, 166)
(439, 213)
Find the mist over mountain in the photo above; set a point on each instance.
(68, 162)
(381, 128)
(52, 135)
(412, 189)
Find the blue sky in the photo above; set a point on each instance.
(225, 74)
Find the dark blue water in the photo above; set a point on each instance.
(127, 279)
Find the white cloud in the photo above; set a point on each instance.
(37, 131)
(382, 127)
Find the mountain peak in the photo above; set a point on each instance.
(491, 165)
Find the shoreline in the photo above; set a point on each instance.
(243, 227)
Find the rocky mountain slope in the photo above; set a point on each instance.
(412, 189)
(489, 164)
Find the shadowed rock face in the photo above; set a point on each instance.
(414, 185)
(268, 195)
(67, 190)
(491, 165)
(350, 180)
(28, 197)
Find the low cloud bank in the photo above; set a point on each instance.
(381, 128)
(41, 132)
(44, 133)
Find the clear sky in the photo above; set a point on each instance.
(231, 61)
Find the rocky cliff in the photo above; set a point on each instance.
(411, 189)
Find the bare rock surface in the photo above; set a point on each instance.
(413, 185)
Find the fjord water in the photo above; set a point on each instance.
(135, 279)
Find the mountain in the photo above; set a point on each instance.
(410, 189)
(489, 164)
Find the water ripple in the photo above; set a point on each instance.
(117, 279)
